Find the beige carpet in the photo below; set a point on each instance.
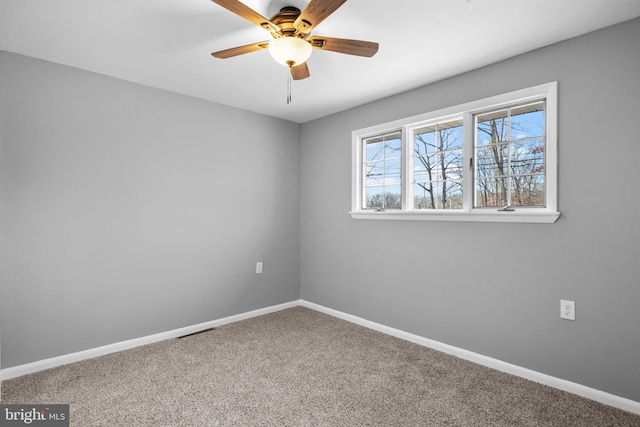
(298, 367)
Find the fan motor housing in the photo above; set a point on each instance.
(285, 19)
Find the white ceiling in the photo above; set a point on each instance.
(167, 44)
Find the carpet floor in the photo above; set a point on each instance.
(299, 367)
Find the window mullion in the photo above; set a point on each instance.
(363, 177)
(468, 148)
(551, 154)
(357, 180)
(406, 174)
(384, 172)
(509, 177)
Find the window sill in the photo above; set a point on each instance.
(475, 216)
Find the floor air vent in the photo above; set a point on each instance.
(196, 333)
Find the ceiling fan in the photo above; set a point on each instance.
(291, 30)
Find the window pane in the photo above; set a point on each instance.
(492, 160)
(491, 192)
(424, 140)
(374, 197)
(450, 165)
(392, 197)
(437, 195)
(423, 195)
(374, 175)
(374, 150)
(387, 197)
(424, 164)
(392, 148)
(492, 128)
(392, 172)
(424, 176)
(450, 195)
(450, 138)
(527, 190)
(527, 121)
(527, 157)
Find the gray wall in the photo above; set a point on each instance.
(128, 211)
(495, 289)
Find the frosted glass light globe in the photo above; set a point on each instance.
(290, 51)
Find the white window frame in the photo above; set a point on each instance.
(547, 214)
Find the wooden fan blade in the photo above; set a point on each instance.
(315, 12)
(349, 47)
(300, 72)
(247, 13)
(240, 50)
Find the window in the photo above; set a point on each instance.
(488, 160)
(510, 148)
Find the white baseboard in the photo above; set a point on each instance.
(40, 365)
(568, 386)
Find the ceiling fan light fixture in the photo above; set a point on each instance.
(290, 51)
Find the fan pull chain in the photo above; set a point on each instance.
(288, 86)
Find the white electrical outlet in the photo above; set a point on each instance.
(258, 268)
(567, 309)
